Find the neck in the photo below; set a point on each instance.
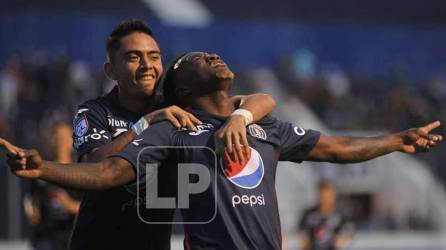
(137, 104)
(217, 103)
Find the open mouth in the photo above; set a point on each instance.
(147, 77)
(218, 64)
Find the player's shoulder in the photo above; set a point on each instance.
(99, 106)
(269, 123)
(161, 128)
(311, 210)
(95, 103)
(268, 120)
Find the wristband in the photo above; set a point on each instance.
(140, 126)
(247, 115)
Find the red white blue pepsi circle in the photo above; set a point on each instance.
(245, 174)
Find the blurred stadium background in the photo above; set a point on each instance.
(347, 67)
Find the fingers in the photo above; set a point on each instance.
(194, 119)
(184, 118)
(16, 162)
(9, 147)
(245, 143)
(435, 137)
(175, 122)
(238, 147)
(228, 142)
(233, 136)
(190, 125)
(184, 121)
(431, 126)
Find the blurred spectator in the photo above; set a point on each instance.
(9, 86)
(323, 227)
(50, 209)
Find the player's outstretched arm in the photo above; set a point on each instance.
(106, 174)
(340, 149)
(233, 132)
(259, 105)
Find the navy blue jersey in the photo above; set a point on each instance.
(323, 230)
(245, 215)
(108, 219)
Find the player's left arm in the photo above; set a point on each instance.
(343, 234)
(251, 108)
(342, 149)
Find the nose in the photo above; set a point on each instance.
(212, 57)
(144, 62)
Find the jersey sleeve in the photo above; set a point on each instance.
(296, 142)
(90, 128)
(345, 227)
(149, 148)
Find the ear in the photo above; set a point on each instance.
(109, 70)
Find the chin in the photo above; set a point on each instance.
(225, 75)
(148, 89)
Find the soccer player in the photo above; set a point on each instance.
(246, 216)
(108, 219)
(323, 227)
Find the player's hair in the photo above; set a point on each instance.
(169, 84)
(325, 184)
(123, 29)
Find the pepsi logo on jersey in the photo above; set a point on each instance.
(247, 174)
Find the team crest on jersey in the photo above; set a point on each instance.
(80, 126)
(257, 131)
(247, 173)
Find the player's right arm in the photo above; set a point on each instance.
(116, 170)
(106, 174)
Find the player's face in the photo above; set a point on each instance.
(208, 66)
(201, 73)
(137, 64)
(327, 196)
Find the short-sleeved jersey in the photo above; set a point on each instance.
(322, 230)
(108, 219)
(246, 213)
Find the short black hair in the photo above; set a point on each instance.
(125, 28)
(324, 184)
(169, 84)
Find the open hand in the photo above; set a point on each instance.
(233, 134)
(179, 117)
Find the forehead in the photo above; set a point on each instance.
(191, 55)
(138, 41)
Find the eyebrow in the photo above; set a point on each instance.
(192, 56)
(139, 51)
